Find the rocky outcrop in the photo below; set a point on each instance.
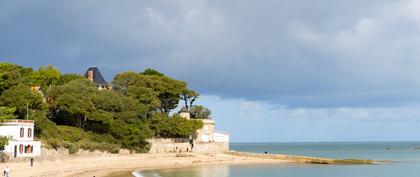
(304, 159)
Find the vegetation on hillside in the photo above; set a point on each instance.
(71, 112)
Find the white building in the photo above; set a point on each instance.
(221, 136)
(208, 133)
(21, 142)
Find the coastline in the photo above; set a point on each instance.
(107, 165)
(104, 165)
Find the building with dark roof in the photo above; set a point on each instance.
(94, 75)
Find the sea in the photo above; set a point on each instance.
(403, 157)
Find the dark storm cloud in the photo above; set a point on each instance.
(296, 53)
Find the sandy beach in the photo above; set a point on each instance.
(105, 164)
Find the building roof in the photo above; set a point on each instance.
(97, 76)
(17, 122)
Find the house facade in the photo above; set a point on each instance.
(208, 132)
(94, 75)
(21, 138)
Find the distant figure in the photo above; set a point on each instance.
(192, 144)
(32, 162)
(265, 152)
(6, 171)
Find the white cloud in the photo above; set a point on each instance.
(261, 121)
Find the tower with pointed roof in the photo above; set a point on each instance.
(94, 75)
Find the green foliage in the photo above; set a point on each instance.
(19, 96)
(175, 127)
(189, 97)
(76, 115)
(45, 77)
(7, 113)
(79, 104)
(151, 88)
(200, 112)
(12, 75)
(65, 78)
(4, 141)
(152, 72)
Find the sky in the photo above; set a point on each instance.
(270, 71)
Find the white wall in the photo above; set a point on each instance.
(221, 137)
(13, 131)
(10, 148)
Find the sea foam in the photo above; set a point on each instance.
(137, 174)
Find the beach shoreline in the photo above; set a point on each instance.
(104, 165)
(107, 165)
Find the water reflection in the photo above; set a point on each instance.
(199, 171)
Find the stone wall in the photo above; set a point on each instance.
(167, 145)
(211, 147)
(172, 145)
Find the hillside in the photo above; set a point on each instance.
(70, 111)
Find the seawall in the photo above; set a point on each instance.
(172, 145)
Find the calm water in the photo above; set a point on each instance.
(406, 157)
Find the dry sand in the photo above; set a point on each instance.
(106, 164)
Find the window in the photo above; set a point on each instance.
(29, 132)
(22, 132)
(28, 149)
(21, 148)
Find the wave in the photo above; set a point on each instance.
(137, 174)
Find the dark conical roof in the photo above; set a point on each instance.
(97, 76)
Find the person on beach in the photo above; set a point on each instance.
(192, 144)
(6, 171)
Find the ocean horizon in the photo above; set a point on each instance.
(403, 157)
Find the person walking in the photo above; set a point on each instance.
(6, 171)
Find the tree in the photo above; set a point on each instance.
(123, 80)
(7, 113)
(152, 72)
(189, 97)
(173, 127)
(65, 78)
(45, 77)
(166, 89)
(12, 75)
(152, 88)
(144, 96)
(71, 102)
(200, 112)
(20, 97)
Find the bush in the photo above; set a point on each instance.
(4, 158)
(175, 127)
(73, 148)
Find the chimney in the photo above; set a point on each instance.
(90, 75)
